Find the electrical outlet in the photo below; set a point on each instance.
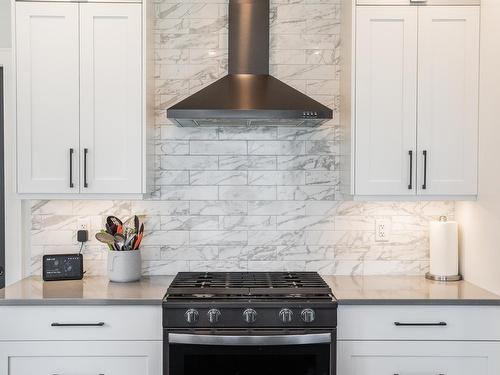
(83, 223)
(383, 230)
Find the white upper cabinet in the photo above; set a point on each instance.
(110, 97)
(448, 95)
(386, 84)
(412, 127)
(80, 93)
(47, 97)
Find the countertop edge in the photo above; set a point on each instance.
(158, 302)
(418, 302)
(81, 302)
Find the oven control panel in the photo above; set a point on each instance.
(250, 316)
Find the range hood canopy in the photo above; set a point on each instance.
(248, 95)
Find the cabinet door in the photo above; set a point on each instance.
(418, 358)
(47, 97)
(448, 71)
(111, 98)
(386, 85)
(81, 357)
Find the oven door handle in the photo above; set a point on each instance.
(229, 340)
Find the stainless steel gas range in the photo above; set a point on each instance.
(247, 323)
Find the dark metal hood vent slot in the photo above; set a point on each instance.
(248, 95)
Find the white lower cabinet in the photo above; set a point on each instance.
(81, 358)
(84, 322)
(418, 340)
(418, 358)
(80, 340)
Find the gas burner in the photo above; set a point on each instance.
(248, 285)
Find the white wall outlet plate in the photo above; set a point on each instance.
(83, 223)
(383, 229)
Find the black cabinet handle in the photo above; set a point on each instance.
(410, 185)
(85, 153)
(438, 324)
(424, 185)
(55, 324)
(71, 167)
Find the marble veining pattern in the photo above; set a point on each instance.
(236, 198)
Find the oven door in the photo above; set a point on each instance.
(250, 354)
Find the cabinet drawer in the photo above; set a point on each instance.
(68, 365)
(80, 323)
(418, 323)
(80, 357)
(390, 364)
(415, 358)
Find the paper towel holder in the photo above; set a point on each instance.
(430, 276)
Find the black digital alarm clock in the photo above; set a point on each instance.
(62, 267)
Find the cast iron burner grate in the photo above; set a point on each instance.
(230, 285)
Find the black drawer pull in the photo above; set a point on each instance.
(85, 153)
(424, 185)
(410, 185)
(100, 324)
(438, 324)
(71, 168)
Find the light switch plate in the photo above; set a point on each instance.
(383, 229)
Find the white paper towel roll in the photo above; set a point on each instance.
(443, 236)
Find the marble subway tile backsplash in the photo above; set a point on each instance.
(328, 236)
(236, 198)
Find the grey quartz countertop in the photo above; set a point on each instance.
(92, 290)
(348, 290)
(406, 290)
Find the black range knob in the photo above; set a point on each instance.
(286, 315)
(250, 316)
(308, 315)
(191, 316)
(213, 315)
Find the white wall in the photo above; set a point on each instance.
(5, 40)
(480, 221)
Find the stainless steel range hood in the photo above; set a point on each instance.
(248, 95)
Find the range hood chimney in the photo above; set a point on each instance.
(248, 95)
(249, 37)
